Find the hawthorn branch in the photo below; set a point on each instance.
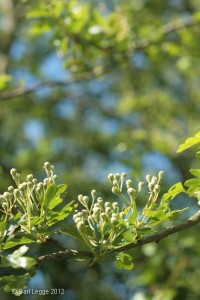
(192, 221)
(74, 254)
(65, 254)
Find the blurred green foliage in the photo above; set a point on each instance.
(126, 94)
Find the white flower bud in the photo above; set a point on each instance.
(11, 189)
(113, 220)
(29, 177)
(117, 176)
(93, 193)
(47, 166)
(111, 177)
(7, 196)
(115, 190)
(16, 193)
(123, 176)
(160, 174)
(85, 200)
(122, 215)
(148, 178)
(103, 216)
(80, 226)
(154, 179)
(131, 191)
(156, 188)
(108, 210)
(13, 172)
(115, 205)
(150, 186)
(100, 201)
(140, 186)
(128, 183)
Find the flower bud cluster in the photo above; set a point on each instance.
(99, 217)
(117, 180)
(27, 194)
(154, 182)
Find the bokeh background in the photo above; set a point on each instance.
(97, 87)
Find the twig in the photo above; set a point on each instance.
(73, 254)
(66, 254)
(18, 92)
(166, 29)
(194, 220)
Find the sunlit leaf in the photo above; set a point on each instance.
(189, 142)
(17, 260)
(124, 261)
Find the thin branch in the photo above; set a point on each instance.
(18, 92)
(166, 29)
(66, 254)
(192, 221)
(73, 254)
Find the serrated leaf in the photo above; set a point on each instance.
(174, 215)
(18, 241)
(61, 188)
(173, 192)
(50, 194)
(191, 141)
(156, 217)
(58, 216)
(52, 198)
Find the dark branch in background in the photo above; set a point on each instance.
(166, 29)
(74, 254)
(141, 44)
(15, 93)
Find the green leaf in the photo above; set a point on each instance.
(129, 236)
(132, 218)
(15, 283)
(17, 260)
(18, 241)
(173, 192)
(51, 193)
(174, 215)
(54, 202)
(189, 142)
(4, 81)
(57, 216)
(156, 217)
(72, 231)
(124, 261)
(193, 186)
(61, 188)
(195, 172)
(52, 198)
